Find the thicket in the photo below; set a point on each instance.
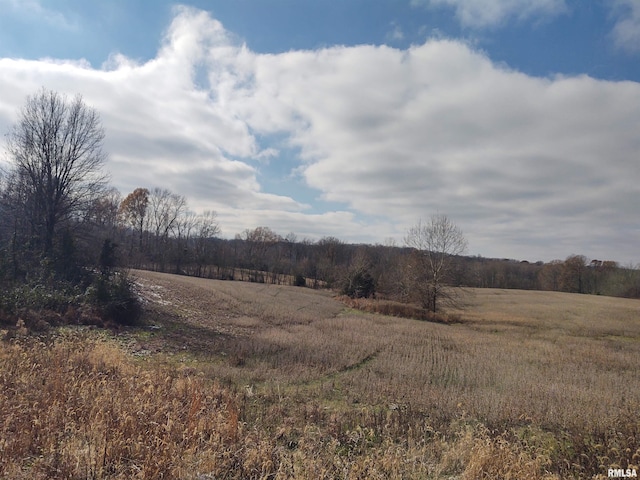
(56, 255)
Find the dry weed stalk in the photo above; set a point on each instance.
(79, 408)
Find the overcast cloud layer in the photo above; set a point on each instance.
(530, 168)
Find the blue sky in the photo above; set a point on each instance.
(519, 119)
(570, 37)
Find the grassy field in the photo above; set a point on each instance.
(239, 380)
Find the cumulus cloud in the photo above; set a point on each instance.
(489, 13)
(439, 127)
(535, 168)
(162, 129)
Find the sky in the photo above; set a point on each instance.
(518, 119)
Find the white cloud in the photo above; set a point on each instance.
(162, 130)
(529, 167)
(626, 32)
(439, 127)
(489, 13)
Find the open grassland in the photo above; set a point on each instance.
(238, 380)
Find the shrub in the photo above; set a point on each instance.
(108, 259)
(359, 284)
(115, 298)
(37, 297)
(398, 309)
(109, 297)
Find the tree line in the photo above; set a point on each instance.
(159, 232)
(64, 229)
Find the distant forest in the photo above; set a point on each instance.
(173, 240)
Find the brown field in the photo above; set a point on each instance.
(239, 380)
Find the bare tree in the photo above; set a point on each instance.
(104, 211)
(259, 241)
(573, 276)
(56, 150)
(133, 211)
(332, 255)
(165, 209)
(435, 244)
(207, 228)
(358, 281)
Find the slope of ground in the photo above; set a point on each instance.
(527, 385)
(567, 364)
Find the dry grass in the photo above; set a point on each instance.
(527, 385)
(398, 309)
(79, 408)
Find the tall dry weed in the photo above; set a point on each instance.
(79, 408)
